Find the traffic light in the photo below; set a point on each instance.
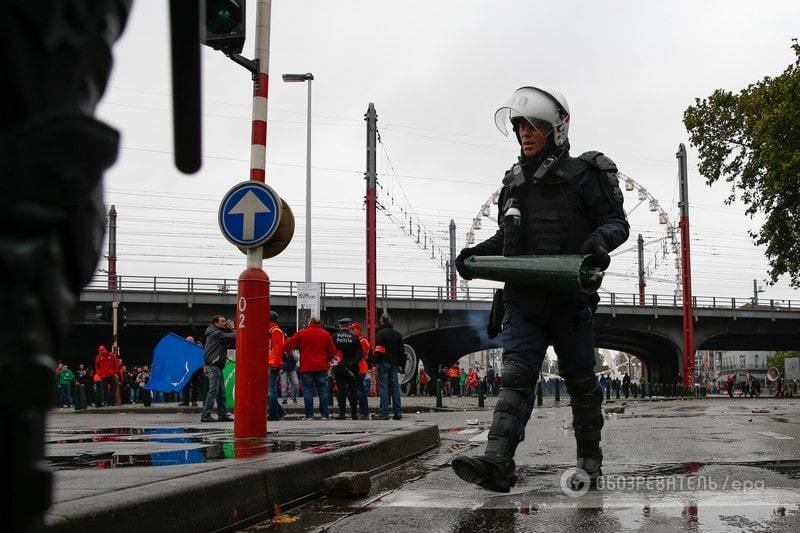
(122, 316)
(222, 25)
(103, 312)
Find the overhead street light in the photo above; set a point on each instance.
(293, 78)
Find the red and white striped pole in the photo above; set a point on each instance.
(252, 309)
(258, 148)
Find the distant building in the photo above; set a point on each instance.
(717, 365)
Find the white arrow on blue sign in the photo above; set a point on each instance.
(249, 214)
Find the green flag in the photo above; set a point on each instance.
(229, 379)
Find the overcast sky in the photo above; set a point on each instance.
(437, 71)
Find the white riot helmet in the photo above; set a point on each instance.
(546, 110)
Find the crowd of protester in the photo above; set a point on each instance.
(105, 382)
(314, 363)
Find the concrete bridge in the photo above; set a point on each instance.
(440, 330)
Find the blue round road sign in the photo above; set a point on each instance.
(249, 214)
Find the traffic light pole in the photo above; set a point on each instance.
(115, 326)
(252, 302)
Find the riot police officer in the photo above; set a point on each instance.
(550, 203)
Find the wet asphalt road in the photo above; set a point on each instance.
(702, 465)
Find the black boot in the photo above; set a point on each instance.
(586, 400)
(494, 470)
(592, 465)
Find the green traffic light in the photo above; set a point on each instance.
(222, 16)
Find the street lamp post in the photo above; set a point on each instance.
(291, 78)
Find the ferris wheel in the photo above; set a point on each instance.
(669, 241)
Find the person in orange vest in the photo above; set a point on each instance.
(454, 375)
(423, 383)
(277, 339)
(363, 370)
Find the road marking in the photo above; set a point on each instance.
(772, 434)
(482, 437)
(468, 431)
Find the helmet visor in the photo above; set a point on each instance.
(527, 104)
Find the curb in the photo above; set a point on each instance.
(291, 410)
(237, 494)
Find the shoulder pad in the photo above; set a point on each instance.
(514, 176)
(599, 160)
(569, 167)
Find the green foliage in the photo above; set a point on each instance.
(752, 141)
(777, 358)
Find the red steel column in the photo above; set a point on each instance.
(252, 308)
(252, 319)
(688, 315)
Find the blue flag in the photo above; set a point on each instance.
(175, 360)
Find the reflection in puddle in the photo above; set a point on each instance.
(215, 445)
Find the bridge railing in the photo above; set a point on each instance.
(423, 292)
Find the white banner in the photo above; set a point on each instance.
(308, 302)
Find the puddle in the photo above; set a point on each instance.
(662, 415)
(80, 436)
(215, 445)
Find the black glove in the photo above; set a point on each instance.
(595, 245)
(460, 266)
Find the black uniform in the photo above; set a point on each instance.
(346, 372)
(52, 157)
(568, 206)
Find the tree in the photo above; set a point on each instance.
(777, 359)
(752, 141)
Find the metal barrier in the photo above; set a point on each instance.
(167, 284)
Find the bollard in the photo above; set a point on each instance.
(480, 395)
(557, 391)
(439, 393)
(80, 397)
(539, 393)
(147, 397)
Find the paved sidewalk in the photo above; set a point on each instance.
(140, 472)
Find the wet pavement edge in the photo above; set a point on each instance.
(236, 495)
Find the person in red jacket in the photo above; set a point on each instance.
(277, 340)
(105, 365)
(316, 352)
(363, 370)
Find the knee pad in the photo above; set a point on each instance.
(581, 382)
(517, 378)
